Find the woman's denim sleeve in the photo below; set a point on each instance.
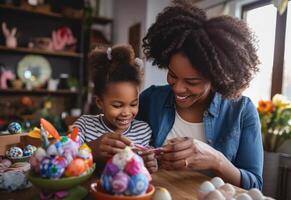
(249, 158)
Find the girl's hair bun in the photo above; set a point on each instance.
(123, 54)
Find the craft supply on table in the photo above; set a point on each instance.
(217, 189)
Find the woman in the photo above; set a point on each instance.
(200, 118)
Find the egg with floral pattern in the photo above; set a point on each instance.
(14, 152)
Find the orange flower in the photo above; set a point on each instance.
(265, 106)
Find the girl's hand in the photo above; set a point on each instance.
(110, 144)
(150, 161)
(190, 153)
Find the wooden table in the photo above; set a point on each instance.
(182, 185)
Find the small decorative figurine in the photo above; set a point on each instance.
(63, 38)
(5, 75)
(10, 36)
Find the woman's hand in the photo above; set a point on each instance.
(108, 145)
(189, 153)
(150, 161)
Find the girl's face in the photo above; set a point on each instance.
(119, 105)
(188, 85)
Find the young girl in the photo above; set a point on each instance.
(117, 81)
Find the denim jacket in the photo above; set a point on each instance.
(231, 127)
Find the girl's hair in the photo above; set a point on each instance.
(112, 66)
(222, 48)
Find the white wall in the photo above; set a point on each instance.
(127, 13)
(153, 75)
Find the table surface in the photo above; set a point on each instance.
(182, 185)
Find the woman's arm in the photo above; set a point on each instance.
(249, 157)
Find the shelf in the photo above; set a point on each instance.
(41, 52)
(37, 12)
(37, 92)
(98, 20)
(101, 20)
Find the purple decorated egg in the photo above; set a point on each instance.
(119, 182)
(58, 167)
(110, 169)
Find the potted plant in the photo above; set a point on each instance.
(275, 117)
(73, 84)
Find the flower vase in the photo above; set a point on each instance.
(271, 173)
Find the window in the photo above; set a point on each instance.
(287, 59)
(270, 28)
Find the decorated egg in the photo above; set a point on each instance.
(14, 128)
(138, 184)
(133, 167)
(161, 194)
(110, 169)
(122, 158)
(125, 174)
(105, 182)
(69, 146)
(84, 151)
(76, 167)
(29, 150)
(14, 152)
(119, 182)
(58, 167)
(45, 166)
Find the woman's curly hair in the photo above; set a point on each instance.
(119, 66)
(222, 49)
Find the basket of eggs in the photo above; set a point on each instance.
(59, 167)
(124, 177)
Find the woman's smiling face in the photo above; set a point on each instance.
(188, 85)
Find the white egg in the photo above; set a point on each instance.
(216, 194)
(161, 194)
(255, 194)
(228, 188)
(217, 182)
(243, 196)
(206, 187)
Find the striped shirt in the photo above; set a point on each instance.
(91, 127)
